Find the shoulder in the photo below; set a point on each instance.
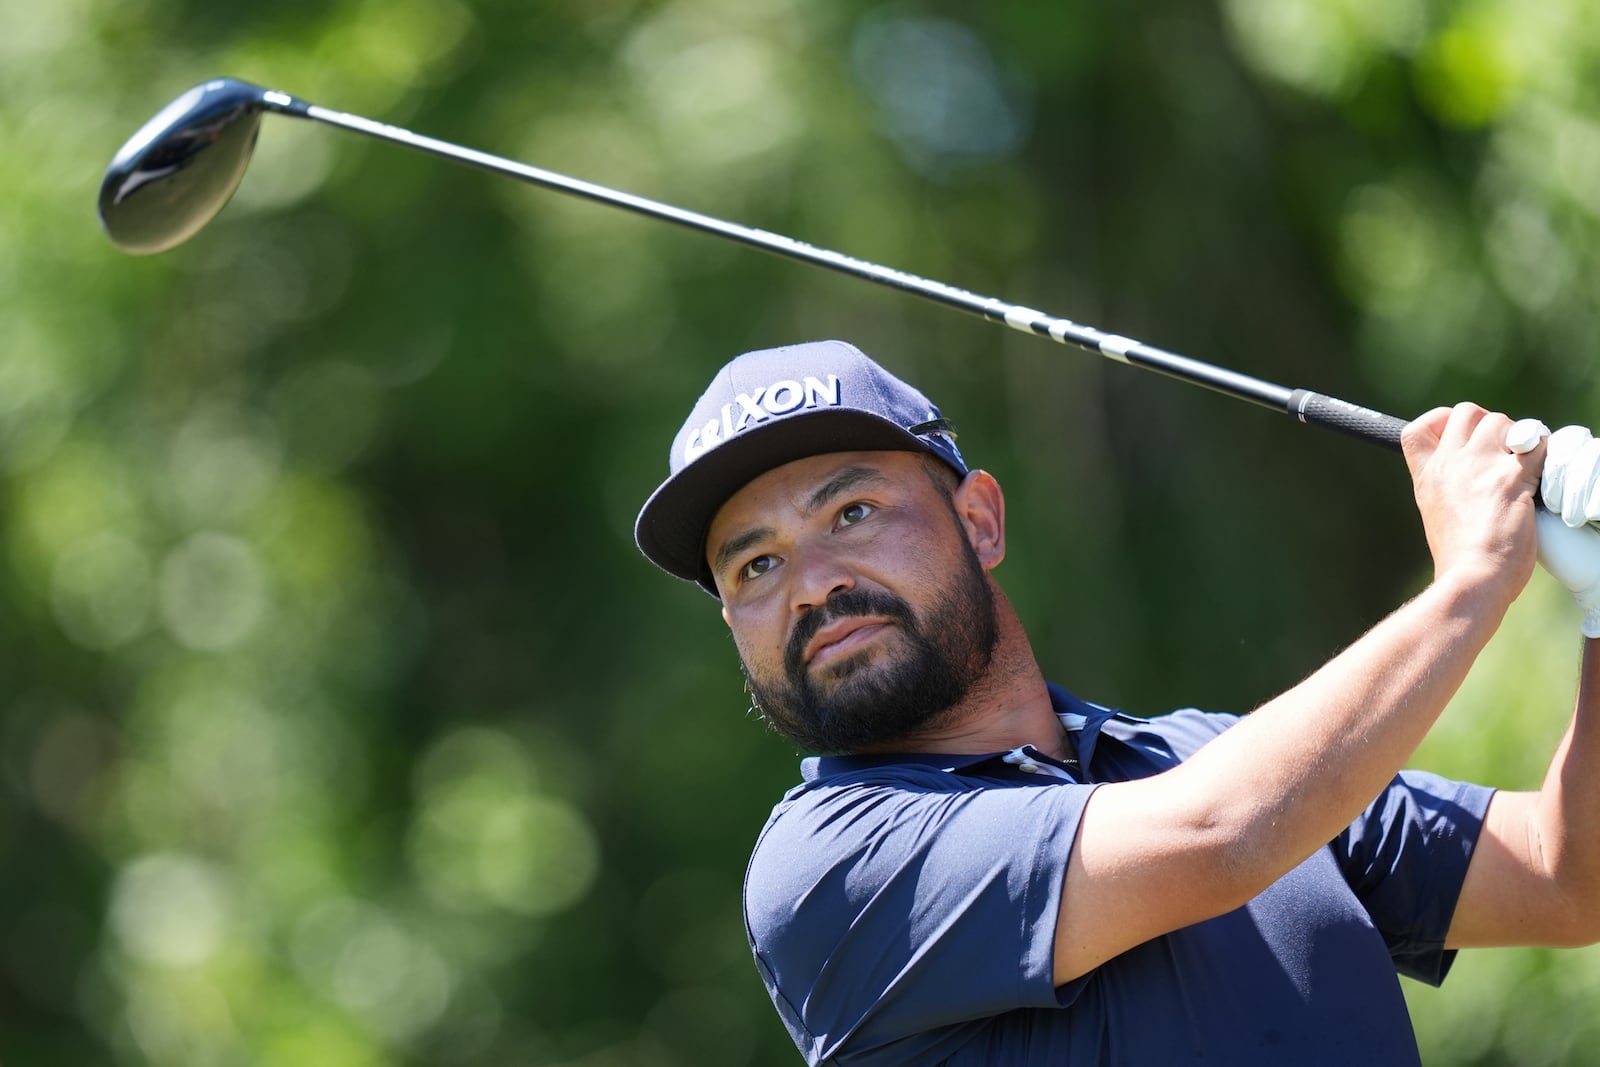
(821, 822)
(844, 835)
(1182, 732)
(1174, 735)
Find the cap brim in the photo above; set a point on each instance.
(673, 524)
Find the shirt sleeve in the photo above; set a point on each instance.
(889, 914)
(1406, 858)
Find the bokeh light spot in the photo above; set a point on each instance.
(373, 966)
(484, 839)
(943, 97)
(169, 909)
(213, 591)
(222, 461)
(102, 590)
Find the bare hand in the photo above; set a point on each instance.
(1475, 496)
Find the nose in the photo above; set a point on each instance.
(814, 577)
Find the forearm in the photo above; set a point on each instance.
(1264, 795)
(1565, 820)
(1535, 872)
(1297, 771)
(1256, 801)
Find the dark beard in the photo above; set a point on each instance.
(869, 707)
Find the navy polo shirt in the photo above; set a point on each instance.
(902, 911)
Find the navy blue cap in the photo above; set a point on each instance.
(768, 408)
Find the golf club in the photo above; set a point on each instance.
(180, 168)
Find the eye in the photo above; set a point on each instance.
(851, 514)
(757, 567)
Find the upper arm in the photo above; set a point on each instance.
(1146, 861)
(1510, 896)
(1156, 853)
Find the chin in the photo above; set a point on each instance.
(855, 668)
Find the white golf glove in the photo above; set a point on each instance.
(1569, 546)
(1572, 555)
(1570, 485)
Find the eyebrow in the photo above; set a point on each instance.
(735, 546)
(846, 480)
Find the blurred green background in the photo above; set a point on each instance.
(343, 725)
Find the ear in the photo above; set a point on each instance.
(981, 507)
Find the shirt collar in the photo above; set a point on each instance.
(1083, 719)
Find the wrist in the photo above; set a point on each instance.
(1478, 599)
(1591, 623)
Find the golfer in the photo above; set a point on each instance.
(981, 868)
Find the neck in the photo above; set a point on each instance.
(1007, 708)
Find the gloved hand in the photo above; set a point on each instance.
(1569, 547)
(1570, 486)
(1572, 555)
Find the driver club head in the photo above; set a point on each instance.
(180, 168)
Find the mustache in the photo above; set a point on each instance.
(842, 606)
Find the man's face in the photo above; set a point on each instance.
(859, 608)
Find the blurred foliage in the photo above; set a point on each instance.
(342, 723)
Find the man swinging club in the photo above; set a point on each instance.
(981, 868)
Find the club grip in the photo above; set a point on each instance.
(1316, 409)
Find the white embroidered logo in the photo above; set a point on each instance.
(758, 406)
